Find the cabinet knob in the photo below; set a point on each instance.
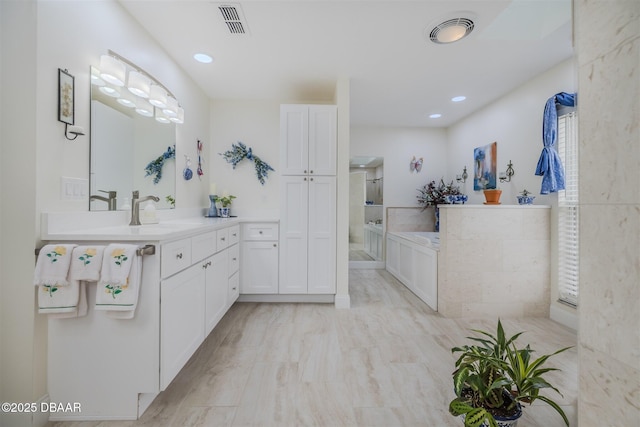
(222, 238)
(310, 171)
(305, 178)
(305, 171)
(234, 234)
(260, 232)
(234, 259)
(310, 179)
(275, 245)
(179, 255)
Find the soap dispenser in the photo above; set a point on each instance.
(149, 214)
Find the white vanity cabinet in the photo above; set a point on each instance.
(194, 300)
(373, 241)
(259, 261)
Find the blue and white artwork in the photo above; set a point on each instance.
(484, 160)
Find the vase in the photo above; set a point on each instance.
(437, 215)
(224, 212)
(525, 200)
(511, 421)
(213, 212)
(492, 196)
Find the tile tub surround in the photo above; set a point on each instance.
(385, 362)
(494, 261)
(410, 219)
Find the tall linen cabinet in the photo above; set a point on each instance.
(308, 144)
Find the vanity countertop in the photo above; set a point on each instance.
(163, 231)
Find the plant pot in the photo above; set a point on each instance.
(525, 200)
(492, 196)
(224, 212)
(511, 421)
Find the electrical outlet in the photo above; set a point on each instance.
(73, 188)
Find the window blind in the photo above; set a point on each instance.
(568, 214)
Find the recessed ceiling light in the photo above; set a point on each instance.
(435, 116)
(451, 30)
(203, 57)
(458, 98)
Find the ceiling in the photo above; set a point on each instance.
(295, 51)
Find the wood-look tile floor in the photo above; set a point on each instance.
(384, 362)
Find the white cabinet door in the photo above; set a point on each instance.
(182, 320)
(234, 289)
(259, 267)
(322, 139)
(294, 139)
(308, 139)
(405, 265)
(393, 254)
(294, 234)
(426, 276)
(321, 275)
(216, 288)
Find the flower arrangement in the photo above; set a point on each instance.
(239, 152)
(155, 166)
(434, 194)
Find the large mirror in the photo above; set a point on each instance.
(366, 212)
(123, 143)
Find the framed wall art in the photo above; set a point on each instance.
(66, 97)
(484, 160)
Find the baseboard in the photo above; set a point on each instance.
(343, 301)
(316, 298)
(564, 317)
(41, 418)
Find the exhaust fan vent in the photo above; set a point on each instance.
(451, 30)
(232, 17)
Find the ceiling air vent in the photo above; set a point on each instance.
(451, 30)
(232, 17)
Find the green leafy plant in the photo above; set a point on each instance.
(225, 201)
(434, 194)
(493, 377)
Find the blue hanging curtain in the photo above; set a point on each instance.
(549, 165)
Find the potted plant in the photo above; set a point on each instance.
(493, 378)
(525, 198)
(225, 201)
(434, 194)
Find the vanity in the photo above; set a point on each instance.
(115, 367)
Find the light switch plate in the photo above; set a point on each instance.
(73, 188)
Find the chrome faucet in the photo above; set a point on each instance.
(135, 206)
(111, 200)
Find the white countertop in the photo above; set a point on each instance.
(113, 226)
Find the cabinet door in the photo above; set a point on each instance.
(405, 263)
(393, 253)
(294, 137)
(293, 234)
(322, 235)
(234, 289)
(259, 268)
(182, 320)
(322, 139)
(426, 276)
(216, 286)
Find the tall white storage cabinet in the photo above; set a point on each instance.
(308, 199)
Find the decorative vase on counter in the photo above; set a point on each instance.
(437, 214)
(525, 200)
(492, 196)
(224, 212)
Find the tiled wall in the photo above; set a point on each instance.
(608, 46)
(410, 219)
(494, 261)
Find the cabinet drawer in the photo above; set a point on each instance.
(176, 256)
(223, 239)
(234, 259)
(234, 234)
(260, 231)
(203, 246)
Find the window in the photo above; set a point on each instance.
(568, 259)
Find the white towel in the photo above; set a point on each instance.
(56, 294)
(52, 267)
(86, 263)
(119, 283)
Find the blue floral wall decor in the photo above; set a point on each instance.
(154, 168)
(239, 152)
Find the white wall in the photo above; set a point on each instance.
(398, 146)
(515, 122)
(38, 37)
(257, 125)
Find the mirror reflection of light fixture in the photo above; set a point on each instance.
(506, 176)
(463, 178)
(148, 91)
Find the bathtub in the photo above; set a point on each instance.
(426, 238)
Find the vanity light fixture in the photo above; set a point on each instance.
(112, 70)
(148, 91)
(463, 178)
(506, 176)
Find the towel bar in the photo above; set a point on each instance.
(144, 250)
